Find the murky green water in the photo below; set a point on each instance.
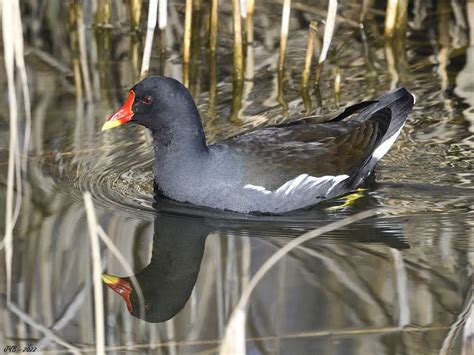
(398, 283)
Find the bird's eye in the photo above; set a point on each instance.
(147, 100)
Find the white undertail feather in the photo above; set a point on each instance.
(383, 148)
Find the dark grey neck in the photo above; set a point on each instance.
(180, 150)
(181, 134)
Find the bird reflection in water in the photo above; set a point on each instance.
(168, 280)
(178, 248)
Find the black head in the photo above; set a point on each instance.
(158, 103)
(166, 107)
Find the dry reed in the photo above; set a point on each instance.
(96, 274)
(212, 87)
(135, 13)
(102, 18)
(249, 63)
(390, 18)
(337, 84)
(402, 13)
(285, 23)
(249, 21)
(13, 148)
(391, 63)
(163, 15)
(14, 54)
(187, 31)
(281, 93)
(328, 30)
(309, 54)
(150, 30)
(81, 37)
(238, 49)
(238, 63)
(213, 23)
(187, 41)
(327, 38)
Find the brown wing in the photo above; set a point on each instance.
(282, 153)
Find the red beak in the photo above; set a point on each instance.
(119, 286)
(123, 115)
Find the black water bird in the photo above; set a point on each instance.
(271, 170)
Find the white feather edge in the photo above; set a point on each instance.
(301, 181)
(383, 148)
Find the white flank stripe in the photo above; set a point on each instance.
(257, 188)
(291, 185)
(302, 182)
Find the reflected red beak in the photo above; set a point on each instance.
(119, 286)
(123, 115)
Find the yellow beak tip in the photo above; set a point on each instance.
(110, 279)
(110, 124)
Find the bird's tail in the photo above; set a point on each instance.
(390, 111)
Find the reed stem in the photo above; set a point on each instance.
(327, 38)
(238, 49)
(187, 31)
(249, 20)
(309, 54)
(96, 274)
(187, 41)
(163, 14)
(211, 113)
(103, 13)
(390, 18)
(285, 23)
(337, 84)
(13, 147)
(135, 11)
(249, 60)
(402, 13)
(328, 30)
(213, 22)
(391, 63)
(151, 24)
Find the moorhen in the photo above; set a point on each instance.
(272, 170)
